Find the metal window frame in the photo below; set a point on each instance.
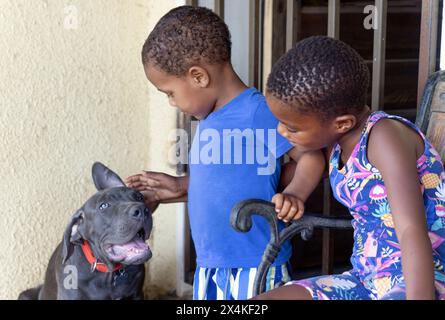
(276, 26)
(334, 19)
(293, 22)
(442, 39)
(255, 43)
(216, 6)
(379, 56)
(266, 46)
(428, 44)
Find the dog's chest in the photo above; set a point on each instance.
(126, 283)
(120, 278)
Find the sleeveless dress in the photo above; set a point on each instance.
(376, 259)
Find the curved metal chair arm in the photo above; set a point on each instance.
(241, 220)
(424, 111)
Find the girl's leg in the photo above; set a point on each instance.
(344, 286)
(242, 286)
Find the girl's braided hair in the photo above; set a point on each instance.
(320, 75)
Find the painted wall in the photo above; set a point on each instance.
(73, 91)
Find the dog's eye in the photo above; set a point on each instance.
(104, 205)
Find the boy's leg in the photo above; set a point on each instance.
(245, 278)
(203, 286)
(233, 283)
(277, 276)
(213, 284)
(287, 292)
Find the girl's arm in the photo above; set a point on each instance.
(394, 149)
(308, 172)
(300, 177)
(287, 174)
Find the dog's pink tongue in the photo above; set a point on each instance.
(134, 246)
(128, 253)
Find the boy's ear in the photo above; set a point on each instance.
(345, 123)
(199, 76)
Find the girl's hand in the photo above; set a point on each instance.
(288, 207)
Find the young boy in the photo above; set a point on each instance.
(187, 56)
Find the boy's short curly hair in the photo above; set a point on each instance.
(321, 75)
(187, 36)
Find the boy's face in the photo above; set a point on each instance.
(307, 131)
(183, 92)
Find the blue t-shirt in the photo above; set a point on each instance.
(235, 155)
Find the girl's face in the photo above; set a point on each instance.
(307, 131)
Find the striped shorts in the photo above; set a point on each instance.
(234, 283)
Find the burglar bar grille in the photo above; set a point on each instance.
(275, 25)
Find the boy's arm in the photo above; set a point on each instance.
(166, 188)
(158, 187)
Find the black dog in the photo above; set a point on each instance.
(103, 251)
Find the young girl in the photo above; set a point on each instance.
(381, 167)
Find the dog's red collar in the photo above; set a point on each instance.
(95, 265)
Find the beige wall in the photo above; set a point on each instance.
(71, 95)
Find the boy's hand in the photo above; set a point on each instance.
(288, 207)
(150, 200)
(157, 186)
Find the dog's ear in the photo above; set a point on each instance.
(72, 235)
(105, 178)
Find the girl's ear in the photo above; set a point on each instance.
(199, 76)
(345, 123)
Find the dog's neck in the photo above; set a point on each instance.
(94, 262)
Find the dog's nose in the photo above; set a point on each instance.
(146, 211)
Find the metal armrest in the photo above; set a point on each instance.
(241, 220)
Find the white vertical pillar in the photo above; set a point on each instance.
(240, 21)
(182, 234)
(334, 19)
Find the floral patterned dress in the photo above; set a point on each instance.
(376, 259)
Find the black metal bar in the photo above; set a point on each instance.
(327, 256)
(241, 220)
